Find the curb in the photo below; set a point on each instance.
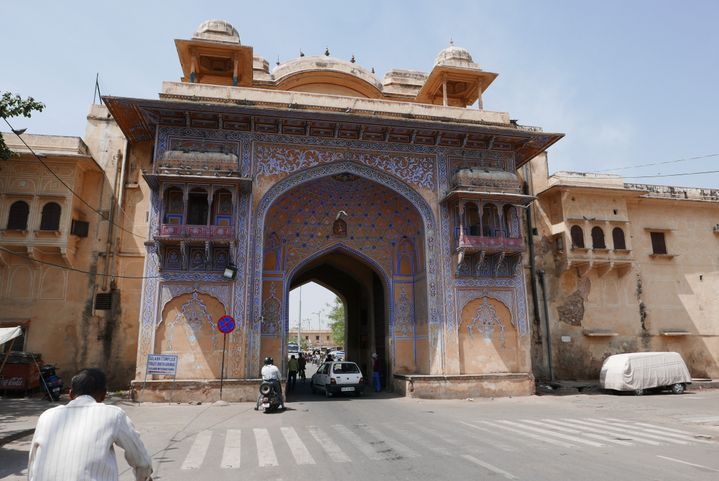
(15, 436)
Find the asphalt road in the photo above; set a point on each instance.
(381, 437)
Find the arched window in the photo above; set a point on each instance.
(197, 207)
(490, 221)
(471, 216)
(577, 236)
(598, 238)
(618, 239)
(17, 219)
(50, 219)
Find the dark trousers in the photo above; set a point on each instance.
(291, 380)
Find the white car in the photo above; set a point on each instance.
(643, 371)
(338, 355)
(338, 377)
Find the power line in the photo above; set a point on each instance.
(658, 163)
(672, 175)
(59, 266)
(68, 187)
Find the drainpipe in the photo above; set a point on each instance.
(546, 325)
(530, 244)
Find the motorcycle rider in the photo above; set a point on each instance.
(271, 373)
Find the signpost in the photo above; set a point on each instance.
(162, 364)
(225, 324)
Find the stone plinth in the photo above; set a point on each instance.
(464, 385)
(195, 390)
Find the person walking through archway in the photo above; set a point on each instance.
(376, 373)
(303, 365)
(292, 367)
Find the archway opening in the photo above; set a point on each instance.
(313, 309)
(362, 293)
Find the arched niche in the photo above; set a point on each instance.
(188, 328)
(487, 338)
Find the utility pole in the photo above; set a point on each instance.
(299, 324)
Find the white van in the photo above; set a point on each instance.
(641, 371)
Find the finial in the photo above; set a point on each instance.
(302, 54)
(372, 69)
(451, 41)
(278, 60)
(327, 51)
(353, 58)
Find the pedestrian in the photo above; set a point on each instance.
(376, 370)
(329, 358)
(75, 441)
(303, 365)
(292, 367)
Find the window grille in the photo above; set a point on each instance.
(103, 301)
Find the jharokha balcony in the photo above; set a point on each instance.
(471, 244)
(196, 232)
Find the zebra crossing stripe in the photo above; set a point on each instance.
(395, 445)
(265, 452)
(197, 451)
(553, 425)
(363, 446)
(641, 432)
(628, 433)
(549, 432)
(330, 447)
(299, 450)
(604, 430)
(488, 466)
(419, 440)
(494, 443)
(232, 452)
(524, 433)
(677, 431)
(683, 437)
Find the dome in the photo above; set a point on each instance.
(309, 66)
(454, 56)
(217, 31)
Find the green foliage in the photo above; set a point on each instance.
(337, 322)
(15, 106)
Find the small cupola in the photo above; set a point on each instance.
(215, 56)
(456, 80)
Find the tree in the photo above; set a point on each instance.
(15, 106)
(337, 322)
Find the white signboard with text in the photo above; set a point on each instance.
(164, 364)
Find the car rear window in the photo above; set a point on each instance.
(345, 368)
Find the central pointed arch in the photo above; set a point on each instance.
(368, 173)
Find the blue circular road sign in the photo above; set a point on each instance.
(226, 324)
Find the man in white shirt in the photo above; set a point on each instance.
(75, 442)
(271, 373)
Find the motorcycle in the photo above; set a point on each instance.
(53, 382)
(270, 398)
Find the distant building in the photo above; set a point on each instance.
(625, 267)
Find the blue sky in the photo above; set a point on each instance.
(628, 82)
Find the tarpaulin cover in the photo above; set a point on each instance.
(643, 370)
(7, 333)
